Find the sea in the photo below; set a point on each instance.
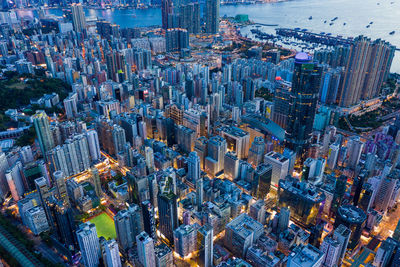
(353, 17)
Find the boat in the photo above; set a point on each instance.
(325, 21)
(335, 18)
(367, 26)
(392, 32)
(371, 22)
(344, 23)
(310, 18)
(330, 24)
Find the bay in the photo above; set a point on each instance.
(353, 16)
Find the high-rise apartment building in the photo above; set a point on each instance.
(78, 17)
(89, 244)
(145, 250)
(212, 16)
(43, 132)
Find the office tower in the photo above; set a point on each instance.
(231, 166)
(205, 245)
(303, 102)
(94, 146)
(88, 244)
(280, 166)
(302, 199)
(342, 235)
(366, 68)
(214, 162)
(164, 257)
(62, 222)
(128, 224)
(119, 140)
(237, 140)
(257, 211)
(43, 132)
(241, 233)
(331, 249)
(193, 162)
(185, 138)
(338, 194)
(36, 220)
(201, 147)
(145, 250)
(256, 151)
(185, 240)
(78, 17)
(168, 213)
(283, 220)
(110, 253)
(366, 197)
(96, 182)
(305, 255)
(282, 95)
(199, 193)
(353, 218)
(262, 180)
(149, 224)
(212, 16)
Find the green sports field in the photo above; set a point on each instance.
(104, 226)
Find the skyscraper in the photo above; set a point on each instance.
(128, 224)
(145, 250)
(96, 182)
(205, 245)
(149, 224)
(256, 151)
(303, 103)
(78, 17)
(331, 249)
(212, 16)
(199, 193)
(110, 251)
(43, 132)
(88, 244)
(193, 167)
(168, 214)
(342, 235)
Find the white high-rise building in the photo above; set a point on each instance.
(36, 220)
(89, 244)
(145, 250)
(205, 245)
(333, 154)
(94, 146)
(280, 166)
(111, 256)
